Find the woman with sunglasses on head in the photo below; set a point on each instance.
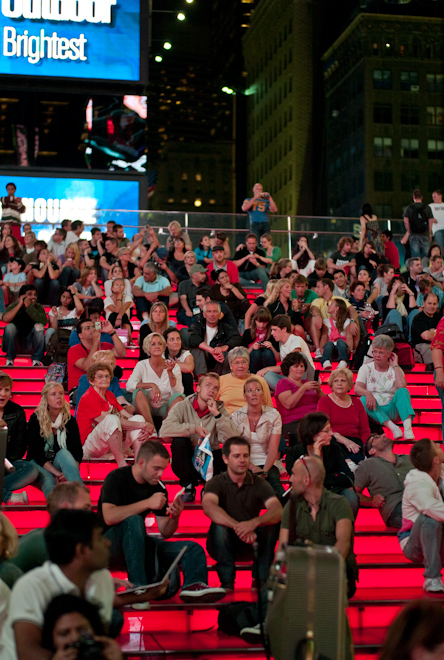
(181, 356)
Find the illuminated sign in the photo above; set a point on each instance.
(51, 200)
(93, 39)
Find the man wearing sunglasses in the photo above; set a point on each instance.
(321, 516)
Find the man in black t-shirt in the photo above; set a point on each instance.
(424, 328)
(128, 495)
(109, 257)
(418, 221)
(233, 501)
(250, 269)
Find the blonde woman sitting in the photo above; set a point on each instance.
(104, 425)
(261, 425)
(156, 383)
(54, 439)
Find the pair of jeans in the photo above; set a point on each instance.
(260, 358)
(404, 323)
(419, 245)
(352, 498)
(129, 539)
(143, 305)
(33, 344)
(247, 277)
(272, 378)
(225, 547)
(183, 319)
(204, 362)
(260, 228)
(63, 461)
(426, 545)
(68, 276)
(25, 474)
(47, 291)
(438, 238)
(395, 518)
(329, 348)
(182, 452)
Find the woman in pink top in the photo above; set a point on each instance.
(348, 418)
(295, 397)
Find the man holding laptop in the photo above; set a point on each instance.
(128, 495)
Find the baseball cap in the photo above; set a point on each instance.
(197, 268)
(162, 252)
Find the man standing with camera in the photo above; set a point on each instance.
(257, 208)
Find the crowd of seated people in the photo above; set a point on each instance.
(211, 376)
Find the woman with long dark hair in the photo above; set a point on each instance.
(259, 342)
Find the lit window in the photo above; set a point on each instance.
(197, 202)
(410, 148)
(212, 201)
(170, 200)
(198, 177)
(184, 176)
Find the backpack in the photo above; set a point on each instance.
(58, 347)
(361, 352)
(406, 356)
(392, 331)
(419, 222)
(56, 373)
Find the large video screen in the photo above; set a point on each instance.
(49, 200)
(87, 39)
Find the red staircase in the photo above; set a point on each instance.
(387, 580)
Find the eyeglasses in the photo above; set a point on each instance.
(104, 377)
(302, 459)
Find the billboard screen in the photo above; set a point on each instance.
(82, 39)
(52, 199)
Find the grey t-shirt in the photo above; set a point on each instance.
(383, 478)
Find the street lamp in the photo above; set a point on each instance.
(181, 16)
(167, 45)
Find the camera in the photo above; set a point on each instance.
(88, 647)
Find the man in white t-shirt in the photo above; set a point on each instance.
(437, 207)
(79, 555)
(288, 343)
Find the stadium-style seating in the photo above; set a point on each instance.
(171, 628)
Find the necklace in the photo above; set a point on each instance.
(339, 402)
(253, 423)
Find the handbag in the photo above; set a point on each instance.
(203, 459)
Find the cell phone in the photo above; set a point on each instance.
(97, 325)
(316, 376)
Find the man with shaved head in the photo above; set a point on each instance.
(320, 515)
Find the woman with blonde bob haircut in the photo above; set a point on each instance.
(156, 383)
(104, 425)
(348, 419)
(54, 439)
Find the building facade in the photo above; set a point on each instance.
(384, 113)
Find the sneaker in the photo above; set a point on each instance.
(327, 365)
(433, 584)
(318, 354)
(18, 498)
(251, 634)
(189, 494)
(9, 363)
(409, 435)
(343, 364)
(202, 593)
(228, 587)
(141, 606)
(397, 435)
(37, 363)
(280, 466)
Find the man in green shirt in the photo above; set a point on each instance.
(319, 515)
(304, 297)
(26, 321)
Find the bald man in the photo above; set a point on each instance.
(321, 516)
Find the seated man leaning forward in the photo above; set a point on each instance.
(128, 496)
(188, 423)
(103, 424)
(319, 515)
(79, 356)
(421, 533)
(210, 340)
(383, 474)
(233, 501)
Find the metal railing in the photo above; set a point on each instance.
(323, 232)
